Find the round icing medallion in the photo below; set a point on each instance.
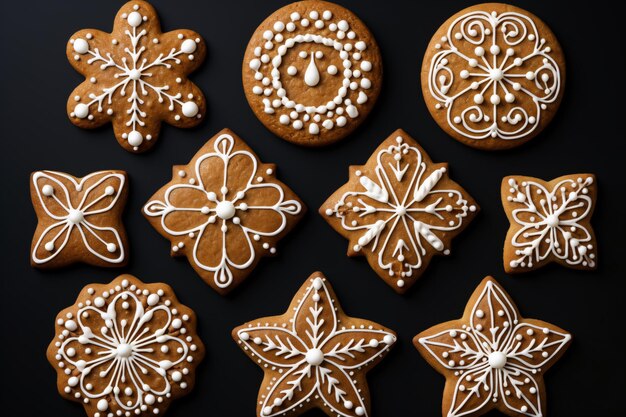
(493, 76)
(312, 72)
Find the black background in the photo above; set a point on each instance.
(585, 136)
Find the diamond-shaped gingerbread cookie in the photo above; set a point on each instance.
(399, 210)
(125, 349)
(136, 77)
(314, 355)
(224, 211)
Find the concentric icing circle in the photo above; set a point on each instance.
(312, 72)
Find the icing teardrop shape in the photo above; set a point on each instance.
(312, 75)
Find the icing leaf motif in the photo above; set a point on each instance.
(374, 190)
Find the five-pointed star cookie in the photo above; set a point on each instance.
(550, 221)
(492, 357)
(136, 77)
(79, 219)
(314, 355)
(224, 211)
(125, 349)
(398, 210)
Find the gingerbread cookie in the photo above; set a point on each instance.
(550, 221)
(312, 72)
(493, 76)
(492, 357)
(314, 356)
(125, 349)
(79, 219)
(224, 211)
(136, 77)
(399, 210)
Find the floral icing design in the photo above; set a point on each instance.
(505, 58)
(399, 214)
(551, 220)
(141, 68)
(228, 209)
(496, 358)
(126, 349)
(85, 219)
(315, 355)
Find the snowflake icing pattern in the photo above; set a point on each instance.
(493, 79)
(551, 221)
(136, 77)
(498, 358)
(401, 232)
(219, 212)
(315, 355)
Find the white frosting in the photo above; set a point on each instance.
(222, 210)
(77, 216)
(553, 227)
(317, 355)
(267, 64)
(493, 75)
(135, 360)
(133, 74)
(496, 358)
(400, 228)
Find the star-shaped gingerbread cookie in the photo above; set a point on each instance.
(136, 77)
(493, 357)
(224, 211)
(550, 222)
(314, 356)
(125, 349)
(79, 219)
(399, 210)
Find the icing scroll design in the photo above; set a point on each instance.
(220, 215)
(493, 79)
(552, 225)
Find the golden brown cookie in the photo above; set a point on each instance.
(314, 356)
(493, 358)
(79, 219)
(550, 222)
(312, 72)
(125, 349)
(493, 76)
(136, 77)
(399, 210)
(224, 211)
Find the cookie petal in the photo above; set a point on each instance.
(520, 392)
(534, 344)
(353, 348)
(472, 391)
(290, 390)
(275, 345)
(315, 315)
(339, 391)
(454, 349)
(493, 316)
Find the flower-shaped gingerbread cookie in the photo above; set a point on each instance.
(550, 221)
(136, 77)
(398, 210)
(493, 76)
(312, 72)
(492, 357)
(79, 219)
(314, 355)
(224, 210)
(125, 349)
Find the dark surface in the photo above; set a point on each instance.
(586, 136)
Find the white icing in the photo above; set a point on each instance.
(316, 354)
(494, 73)
(136, 360)
(132, 75)
(274, 47)
(399, 229)
(79, 219)
(498, 352)
(221, 210)
(554, 226)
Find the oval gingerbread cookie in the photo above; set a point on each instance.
(493, 76)
(312, 72)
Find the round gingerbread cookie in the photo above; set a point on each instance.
(493, 76)
(312, 72)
